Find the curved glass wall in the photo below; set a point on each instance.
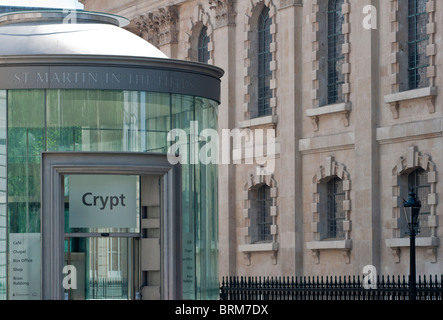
(105, 120)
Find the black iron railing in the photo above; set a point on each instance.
(108, 288)
(328, 288)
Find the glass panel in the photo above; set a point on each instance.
(264, 63)
(335, 55)
(417, 42)
(263, 215)
(335, 210)
(26, 139)
(418, 182)
(3, 176)
(100, 120)
(203, 40)
(182, 115)
(199, 201)
(155, 108)
(103, 265)
(206, 211)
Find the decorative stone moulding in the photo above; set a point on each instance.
(318, 31)
(200, 19)
(248, 104)
(413, 160)
(331, 168)
(224, 12)
(248, 248)
(159, 27)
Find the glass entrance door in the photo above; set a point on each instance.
(102, 233)
(105, 267)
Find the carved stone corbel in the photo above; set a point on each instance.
(315, 121)
(316, 256)
(432, 254)
(274, 257)
(396, 254)
(345, 118)
(347, 255)
(430, 102)
(394, 106)
(247, 256)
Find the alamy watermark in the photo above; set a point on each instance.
(369, 277)
(70, 280)
(71, 16)
(370, 19)
(207, 146)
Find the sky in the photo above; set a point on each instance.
(68, 4)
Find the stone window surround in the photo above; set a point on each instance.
(251, 12)
(398, 72)
(199, 20)
(318, 87)
(256, 179)
(413, 159)
(330, 168)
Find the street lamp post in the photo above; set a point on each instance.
(411, 209)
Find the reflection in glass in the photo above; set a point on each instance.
(103, 267)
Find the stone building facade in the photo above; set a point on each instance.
(351, 89)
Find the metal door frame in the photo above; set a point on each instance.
(54, 165)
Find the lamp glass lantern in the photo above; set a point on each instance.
(411, 210)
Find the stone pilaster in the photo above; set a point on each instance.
(224, 55)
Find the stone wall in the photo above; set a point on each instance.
(377, 133)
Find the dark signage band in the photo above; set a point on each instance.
(110, 78)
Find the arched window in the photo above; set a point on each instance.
(264, 72)
(334, 208)
(335, 56)
(203, 40)
(263, 219)
(418, 183)
(417, 42)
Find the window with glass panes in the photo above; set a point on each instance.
(335, 55)
(417, 42)
(335, 212)
(264, 219)
(264, 60)
(203, 40)
(418, 183)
